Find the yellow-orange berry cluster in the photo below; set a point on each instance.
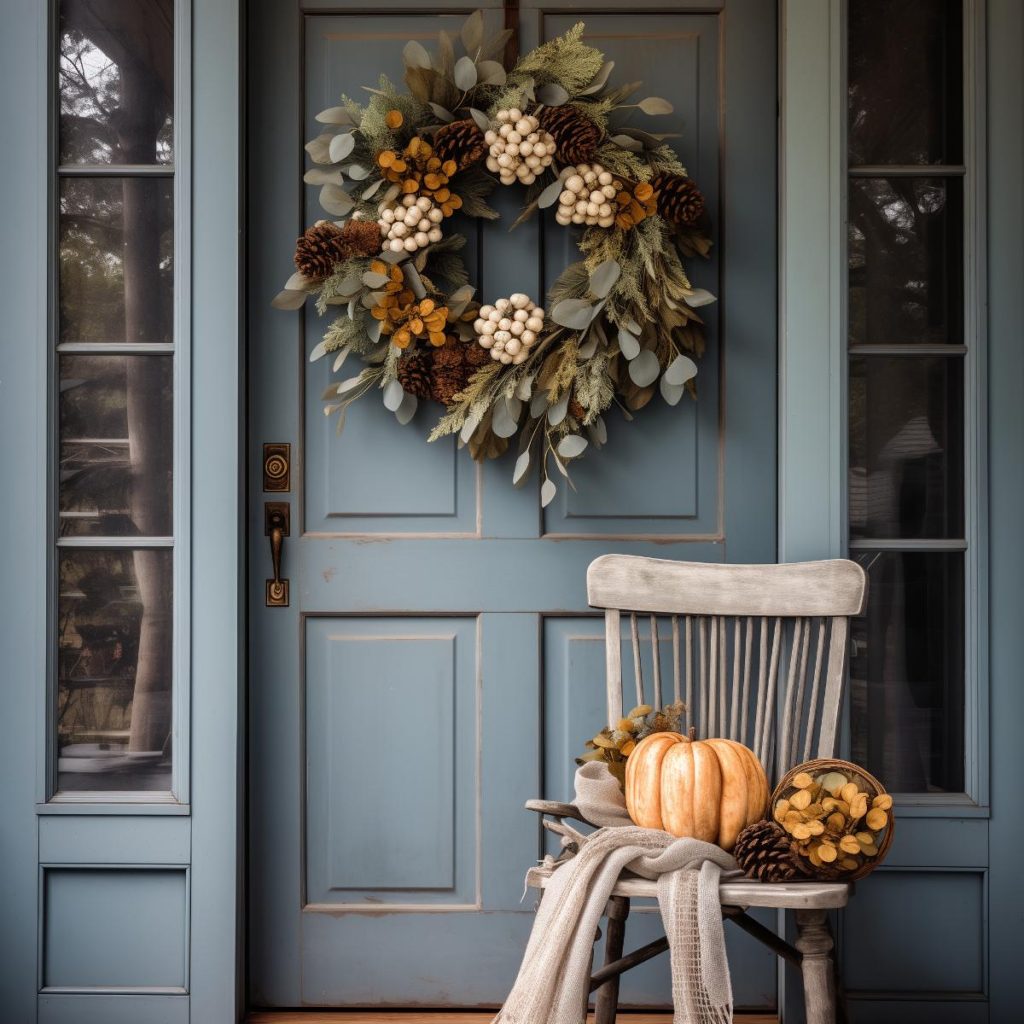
(403, 318)
(419, 172)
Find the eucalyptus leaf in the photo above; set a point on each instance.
(524, 389)
(598, 306)
(350, 385)
(374, 280)
(351, 285)
(297, 282)
(680, 370)
(393, 395)
(373, 189)
(589, 347)
(483, 122)
(503, 423)
(522, 465)
(548, 490)
(556, 412)
(603, 279)
(599, 80)
(319, 148)
(625, 142)
(407, 409)
(465, 73)
(392, 193)
(699, 297)
(655, 105)
(323, 176)
(357, 172)
(339, 359)
(571, 446)
(538, 404)
(341, 146)
(472, 32)
(550, 194)
(469, 427)
(373, 331)
(442, 113)
(644, 369)
(413, 281)
(319, 351)
(491, 73)
(671, 392)
(632, 326)
(335, 115)
(573, 313)
(288, 299)
(552, 94)
(629, 346)
(598, 431)
(415, 55)
(334, 199)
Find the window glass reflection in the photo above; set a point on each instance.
(116, 259)
(907, 671)
(116, 447)
(114, 670)
(116, 74)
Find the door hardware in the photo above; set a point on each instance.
(277, 524)
(277, 467)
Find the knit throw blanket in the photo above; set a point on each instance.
(553, 981)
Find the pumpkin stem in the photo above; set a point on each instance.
(693, 733)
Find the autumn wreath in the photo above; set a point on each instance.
(616, 325)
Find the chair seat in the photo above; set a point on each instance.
(739, 893)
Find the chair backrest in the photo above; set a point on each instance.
(757, 652)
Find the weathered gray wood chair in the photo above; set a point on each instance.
(758, 653)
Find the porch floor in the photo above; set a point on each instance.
(446, 1017)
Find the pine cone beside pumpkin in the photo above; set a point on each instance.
(679, 199)
(319, 249)
(461, 141)
(415, 373)
(576, 136)
(765, 853)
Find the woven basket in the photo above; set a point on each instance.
(867, 782)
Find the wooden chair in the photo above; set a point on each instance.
(758, 654)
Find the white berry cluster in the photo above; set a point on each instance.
(509, 327)
(410, 223)
(520, 149)
(588, 196)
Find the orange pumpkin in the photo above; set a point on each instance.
(708, 789)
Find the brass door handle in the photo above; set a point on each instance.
(277, 526)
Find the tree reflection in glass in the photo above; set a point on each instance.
(115, 609)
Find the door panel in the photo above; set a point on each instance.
(438, 665)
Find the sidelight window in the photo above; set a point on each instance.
(118, 419)
(913, 357)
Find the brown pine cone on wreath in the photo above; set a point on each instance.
(319, 249)
(679, 199)
(454, 364)
(461, 141)
(576, 136)
(415, 373)
(764, 852)
(362, 237)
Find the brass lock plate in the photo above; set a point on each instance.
(277, 467)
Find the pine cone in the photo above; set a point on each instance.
(415, 373)
(575, 135)
(319, 249)
(461, 141)
(679, 200)
(449, 381)
(362, 238)
(764, 852)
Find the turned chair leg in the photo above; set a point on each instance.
(815, 943)
(607, 1002)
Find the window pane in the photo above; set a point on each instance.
(906, 447)
(907, 672)
(116, 81)
(116, 250)
(116, 447)
(905, 94)
(114, 670)
(905, 260)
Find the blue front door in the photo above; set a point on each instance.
(437, 664)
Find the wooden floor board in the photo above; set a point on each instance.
(445, 1017)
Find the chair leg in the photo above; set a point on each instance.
(607, 1002)
(815, 943)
